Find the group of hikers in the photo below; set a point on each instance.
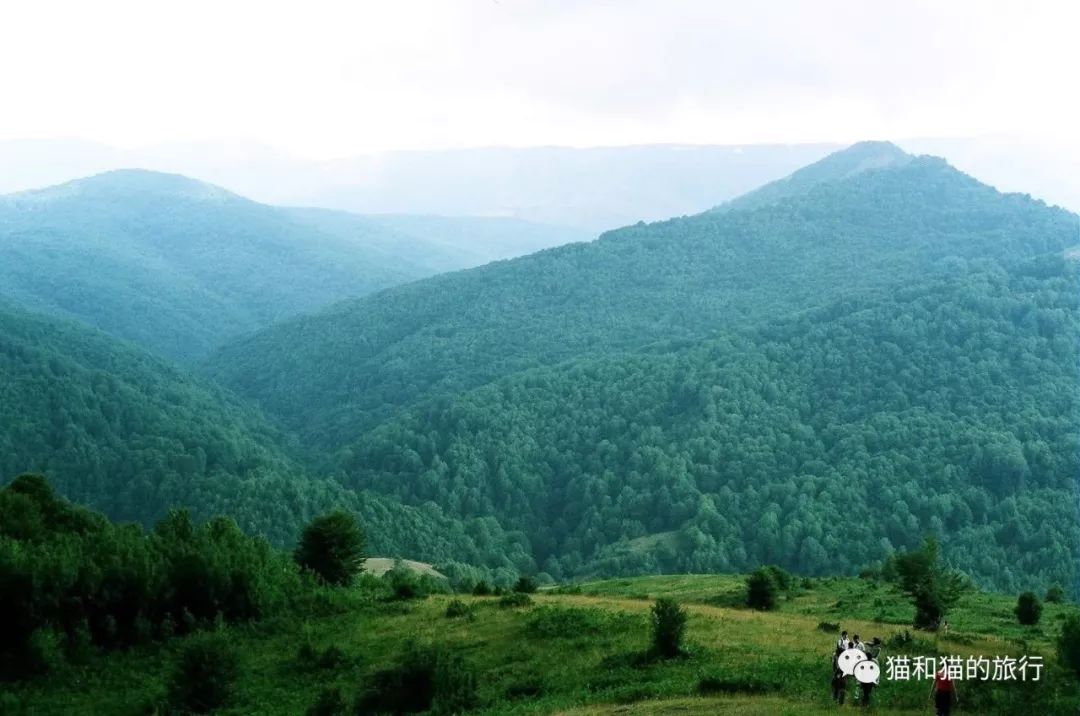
(840, 679)
(943, 692)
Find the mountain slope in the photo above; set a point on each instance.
(820, 442)
(682, 279)
(859, 158)
(131, 435)
(173, 264)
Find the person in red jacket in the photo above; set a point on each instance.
(943, 692)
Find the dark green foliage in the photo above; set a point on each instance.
(330, 702)
(932, 587)
(407, 584)
(1069, 644)
(424, 679)
(761, 589)
(457, 608)
(71, 581)
(1055, 595)
(203, 675)
(668, 627)
(829, 627)
(514, 600)
(525, 584)
(1028, 608)
(332, 547)
(481, 589)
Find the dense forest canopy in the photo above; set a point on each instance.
(886, 350)
(821, 442)
(329, 375)
(131, 435)
(880, 349)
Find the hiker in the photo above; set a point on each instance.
(873, 650)
(841, 643)
(867, 689)
(943, 692)
(858, 644)
(839, 681)
(945, 628)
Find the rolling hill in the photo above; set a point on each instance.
(894, 341)
(130, 434)
(178, 266)
(683, 279)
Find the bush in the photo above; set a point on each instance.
(458, 608)
(1069, 644)
(481, 589)
(515, 599)
(331, 702)
(668, 626)
(565, 623)
(1028, 609)
(781, 577)
(332, 547)
(1055, 595)
(828, 627)
(424, 680)
(203, 675)
(525, 585)
(761, 590)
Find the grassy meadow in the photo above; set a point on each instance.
(577, 650)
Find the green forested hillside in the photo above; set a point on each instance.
(176, 265)
(331, 374)
(132, 436)
(859, 158)
(814, 382)
(821, 442)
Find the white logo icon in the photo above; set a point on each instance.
(867, 671)
(848, 659)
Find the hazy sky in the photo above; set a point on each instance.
(328, 79)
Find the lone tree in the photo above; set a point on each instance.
(761, 589)
(1028, 608)
(332, 547)
(933, 588)
(1069, 644)
(668, 626)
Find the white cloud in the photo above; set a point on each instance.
(338, 78)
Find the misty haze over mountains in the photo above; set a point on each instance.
(592, 189)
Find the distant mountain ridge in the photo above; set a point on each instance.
(178, 265)
(682, 279)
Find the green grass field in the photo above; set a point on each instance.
(575, 651)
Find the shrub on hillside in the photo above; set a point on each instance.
(1068, 644)
(330, 702)
(1055, 595)
(525, 585)
(203, 675)
(423, 680)
(761, 589)
(668, 627)
(1028, 609)
(515, 599)
(457, 608)
(481, 589)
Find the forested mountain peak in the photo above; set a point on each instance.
(838, 166)
(124, 184)
(677, 280)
